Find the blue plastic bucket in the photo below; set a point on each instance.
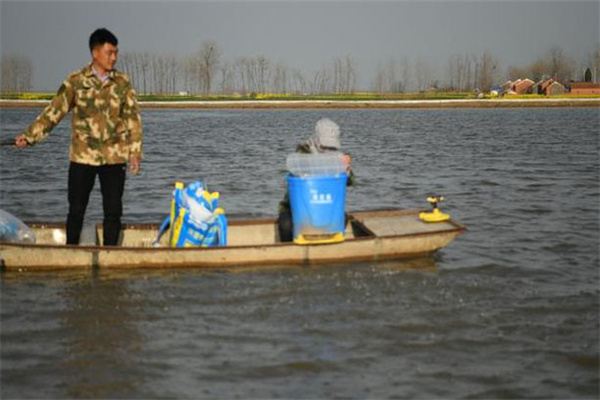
(318, 204)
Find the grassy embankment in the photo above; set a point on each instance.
(359, 96)
(266, 96)
(354, 100)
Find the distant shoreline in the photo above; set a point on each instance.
(342, 104)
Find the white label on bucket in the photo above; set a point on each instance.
(320, 198)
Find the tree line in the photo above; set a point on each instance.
(467, 72)
(207, 72)
(17, 73)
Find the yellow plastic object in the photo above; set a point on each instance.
(319, 239)
(177, 227)
(435, 215)
(178, 188)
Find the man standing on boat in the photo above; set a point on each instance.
(107, 134)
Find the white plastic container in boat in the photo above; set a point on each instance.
(303, 164)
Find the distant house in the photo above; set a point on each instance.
(585, 88)
(522, 86)
(537, 87)
(507, 87)
(555, 88)
(548, 87)
(544, 85)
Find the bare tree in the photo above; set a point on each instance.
(405, 73)
(560, 65)
(227, 79)
(475, 71)
(7, 72)
(157, 67)
(389, 77)
(299, 82)
(193, 77)
(378, 84)
(458, 72)
(263, 69)
(209, 59)
(173, 73)
(25, 74)
(143, 62)
(469, 71)
(392, 77)
(514, 73)
(487, 71)
(423, 74)
(343, 75)
(252, 74)
(320, 81)
(351, 75)
(338, 75)
(452, 73)
(594, 63)
(553, 64)
(123, 63)
(538, 70)
(240, 71)
(280, 78)
(17, 73)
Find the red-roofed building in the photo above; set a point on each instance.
(549, 87)
(522, 86)
(585, 88)
(545, 85)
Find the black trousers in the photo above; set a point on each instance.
(81, 182)
(285, 226)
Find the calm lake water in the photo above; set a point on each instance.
(509, 310)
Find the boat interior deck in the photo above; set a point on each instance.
(256, 232)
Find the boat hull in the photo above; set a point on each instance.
(374, 235)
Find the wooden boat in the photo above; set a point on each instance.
(370, 235)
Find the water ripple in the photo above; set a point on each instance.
(508, 310)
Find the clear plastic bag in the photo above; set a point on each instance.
(330, 163)
(13, 229)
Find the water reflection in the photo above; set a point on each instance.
(100, 317)
(427, 263)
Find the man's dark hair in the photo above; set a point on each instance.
(101, 36)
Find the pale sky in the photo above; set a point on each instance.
(304, 35)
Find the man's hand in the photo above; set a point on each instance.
(347, 161)
(21, 142)
(134, 164)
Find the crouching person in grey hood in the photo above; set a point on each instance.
(326, 138)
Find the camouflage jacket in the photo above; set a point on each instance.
(107, 128)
